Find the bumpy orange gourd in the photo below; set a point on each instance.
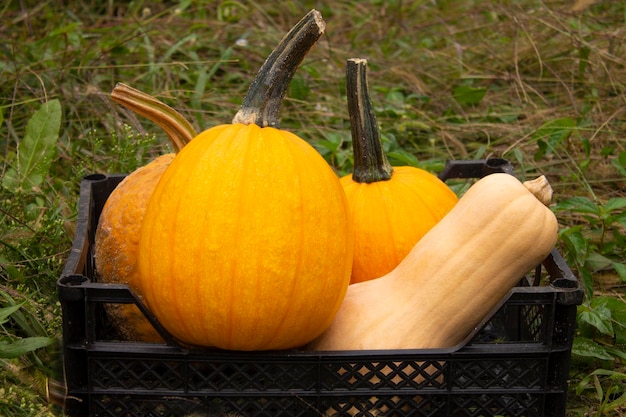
(391, 207)
(455, 275)
(118, 232)
(117, 242)
(246, 243)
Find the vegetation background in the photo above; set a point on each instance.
(541, 83)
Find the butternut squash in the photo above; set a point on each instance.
(454, 276)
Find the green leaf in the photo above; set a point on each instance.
(585, 347)
(583, 59)
(614, 204)
(551, 134)
(619, 163)
(7, 311)
(17, 348)
(610, 373)
(299, 88)
(597, 262)
(621, 219)
(578, 205)
(401, 157)
(468, 96)
(36, 150)
(599, 317)
(577, 244)
(618, 315)
(620, 269)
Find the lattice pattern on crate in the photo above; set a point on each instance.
(391, 405)
(497, 404)
(525, 373)
(515, 323)
(533, 319)
(395, 375)
(251, 376)
(486, 405)
(137, 374)
(136, 406)
(180, 406)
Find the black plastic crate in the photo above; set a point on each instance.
(516, 363)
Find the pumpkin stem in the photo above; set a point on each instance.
(540, 188)
(262, 102)
(177, 128)
(370, 161)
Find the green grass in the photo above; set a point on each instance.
(541, 83)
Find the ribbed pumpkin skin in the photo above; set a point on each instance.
(389, 217)
(117, 243)
(246, 243)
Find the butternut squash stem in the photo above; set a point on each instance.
(177, 128)
(262, 102)
(540, 188)
(370, 161)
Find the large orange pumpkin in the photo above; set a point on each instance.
(246, 243)
(391, 207)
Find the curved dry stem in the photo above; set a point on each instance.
(177, 128)
(262, 102)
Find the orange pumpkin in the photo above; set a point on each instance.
(391, 207)
(246, 242)
(118, 232)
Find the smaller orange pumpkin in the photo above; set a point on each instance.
(391, 207)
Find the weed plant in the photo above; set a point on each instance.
(541, 83)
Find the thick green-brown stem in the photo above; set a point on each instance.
(177, 128)
(370, 161)
(262, 102)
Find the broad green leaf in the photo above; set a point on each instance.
(599, 317)
(17, 348)
(399, 157)
(36, 149)
(597, 262)
(325, 146)
(615, 204)
(578, 205)
(618, 315)
(468, 96)
(620, 269)
(585, 347)
(577, 244)
(616, 352)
